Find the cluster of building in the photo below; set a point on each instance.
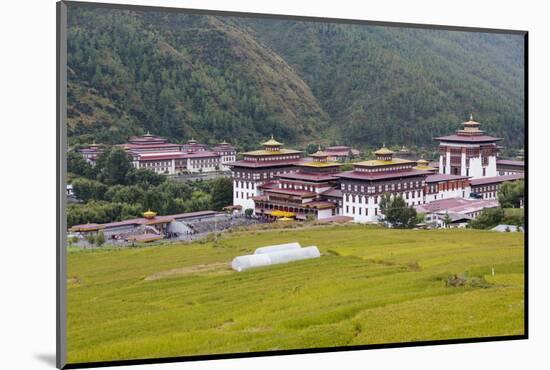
(157, 154)
(278, 182)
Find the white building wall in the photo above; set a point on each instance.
(363, 204)
(445, 194)
(491, 170)
(463, 164)
(476, 169)
(324, 213)
(448, 164)
(242, 195)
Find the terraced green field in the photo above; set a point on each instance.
(371, 285)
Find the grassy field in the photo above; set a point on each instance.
(371, 285)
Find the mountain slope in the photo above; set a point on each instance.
(404, 85)
(242, 79)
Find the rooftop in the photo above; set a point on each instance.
(300, 193)
(373, 176)
(379, 162)
(320, 164)
(316, 177)
(336, 193)
(510, 162)
(272, 152)
(142, 221)
(384, 151)
(439, 177)
(496, 179)
(456, 205)
(272, 142)
(264, 164)
(468, 139)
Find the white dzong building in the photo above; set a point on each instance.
(261, 167)
(468, 152)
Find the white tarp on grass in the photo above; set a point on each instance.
(278, 248)
(243, 263)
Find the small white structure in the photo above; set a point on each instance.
(243, 263)
(278, 248)
(507, 228)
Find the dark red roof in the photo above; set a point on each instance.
(439, 177)
(269, 185)
(201, 154)
(370, 176)
(510, 162)
(496, 179)
(320, 177)
(264, 164)
(301, 193)
(157, 157)
(468, 139)
(336, 219)
(337, 148)
(336, 193)
(145, 221)
(149, 146)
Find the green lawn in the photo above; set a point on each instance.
(371, 285)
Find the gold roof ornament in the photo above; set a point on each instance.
(272, 142)
(149, 214)
(319, 153)
(384, 151)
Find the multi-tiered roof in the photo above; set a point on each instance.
(470, 133)
(384, 166)
(272, 155)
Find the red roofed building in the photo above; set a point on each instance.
(227, 154)
(341, 153)
(171, 163)
(442, 186)
(468, 152)
(259, 167)
(363, 187)
(300, 194)
(488, 187)
(510, 167)
(91, 153)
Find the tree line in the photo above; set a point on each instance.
(113, 190)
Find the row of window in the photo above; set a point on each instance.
(386, 187)
(243, 195)
(378, 169)
(360, 210)
(272, 158)
(244, 184)
(265, 175)
(298, 187)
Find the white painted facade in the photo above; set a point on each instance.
(446, 194)
(324, 213)
(474, 168)
(243, 190)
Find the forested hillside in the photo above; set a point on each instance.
(241, 79)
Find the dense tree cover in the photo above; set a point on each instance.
(113, 190)
(405, 86)
(511, 194)
(215, 78)
(396, 212)
(179, 76)
(492, 217)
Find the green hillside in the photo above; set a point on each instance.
(241, 79)
(371, 285)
